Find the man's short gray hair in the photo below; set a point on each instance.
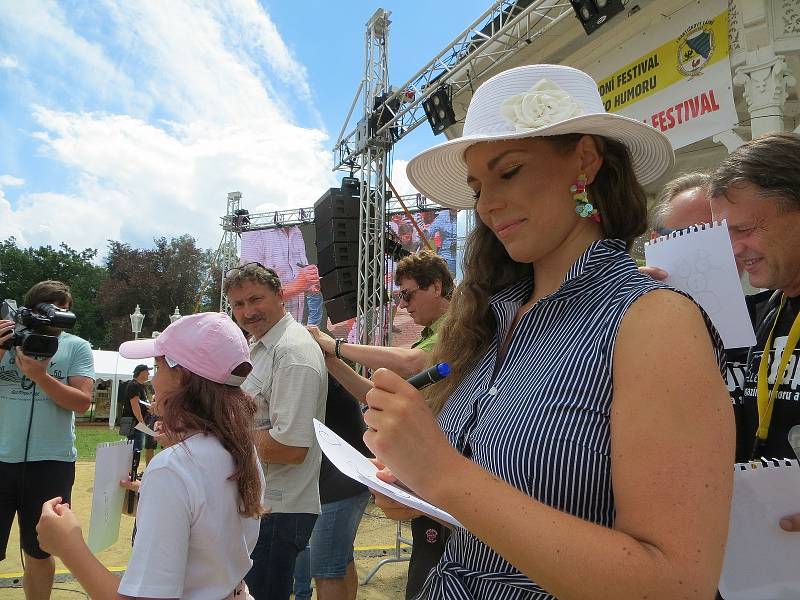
(253, 272)
(682, 183)
(771, 162)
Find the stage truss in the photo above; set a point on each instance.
(483, 46)
(365, 152)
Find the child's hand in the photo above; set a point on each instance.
(130, 485)
(58, 528)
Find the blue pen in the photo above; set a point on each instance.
(428, 376)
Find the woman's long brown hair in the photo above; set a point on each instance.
(227, 413)
(469, 328)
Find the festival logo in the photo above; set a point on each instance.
(695, 49)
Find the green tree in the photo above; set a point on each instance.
(158, 279)
(21, 268)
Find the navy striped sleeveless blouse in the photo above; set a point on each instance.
(542, 421)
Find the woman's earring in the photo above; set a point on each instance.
(583, 207)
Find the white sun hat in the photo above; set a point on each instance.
(534, 101)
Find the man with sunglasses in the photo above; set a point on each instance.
(289, 383)
(425, 288)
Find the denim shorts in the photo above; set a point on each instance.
(334, 533)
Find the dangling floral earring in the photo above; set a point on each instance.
(583, 207)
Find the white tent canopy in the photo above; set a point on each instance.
(110, 366)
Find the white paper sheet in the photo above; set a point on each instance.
(356, 466)
(144, 428)
(700, 262)
(112, 464)
(760, 558)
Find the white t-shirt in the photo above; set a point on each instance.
(191, 542)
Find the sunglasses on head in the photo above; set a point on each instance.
(233, 270)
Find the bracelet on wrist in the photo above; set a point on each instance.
(337, 348)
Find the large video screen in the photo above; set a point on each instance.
(291, 252)
(438, 226)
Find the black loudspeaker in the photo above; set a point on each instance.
(336, 204)
(335, 231)
(337, 256)
(342, 307)
(338, 282)
(336, 225)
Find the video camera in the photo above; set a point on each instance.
(28, 324)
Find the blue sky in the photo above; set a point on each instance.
(131, 120)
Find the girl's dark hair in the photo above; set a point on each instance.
(226, 412)
(469, 327)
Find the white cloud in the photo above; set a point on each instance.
(140, 181)
(400, 179)
(40, 28)
(8, 222)
(204, 68)
(10, 181)
(8, 62)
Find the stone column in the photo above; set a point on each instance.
(765, 78)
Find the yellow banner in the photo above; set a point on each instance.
(699, 46)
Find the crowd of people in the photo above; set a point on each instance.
(584, 440)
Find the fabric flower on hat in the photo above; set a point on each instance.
(544, 104)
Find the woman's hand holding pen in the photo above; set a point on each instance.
(404, 435)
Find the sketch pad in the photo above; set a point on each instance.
(761, 560)
(112, 464)
(356, 466)
(700, 262)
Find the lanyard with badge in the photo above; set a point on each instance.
(766, 396)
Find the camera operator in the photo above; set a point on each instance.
(38, 401)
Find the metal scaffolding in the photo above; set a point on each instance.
(495, 36)
(388, 114)
(375, 167)
(229, 246)
(236, 221)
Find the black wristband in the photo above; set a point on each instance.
(336, 350)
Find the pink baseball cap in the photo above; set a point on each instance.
(207, 344)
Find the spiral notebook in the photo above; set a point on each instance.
(761, 560)
(112, 463)
(700, 262)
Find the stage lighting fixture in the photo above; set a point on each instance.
(241, 218)
(383, 113)
(439, 109)
(593, 13)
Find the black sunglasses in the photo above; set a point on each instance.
(407, 295)
(233, 270)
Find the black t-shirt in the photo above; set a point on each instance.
(786, 411)
(343, 416)
(134, 388)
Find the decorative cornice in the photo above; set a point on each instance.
(765, 83)
(787, 18)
